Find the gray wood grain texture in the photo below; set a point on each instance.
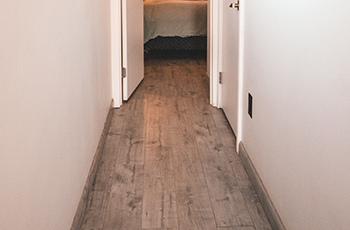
(124, 209)
(237, 228)
(159, 199)
(228, 203)
(169, 161)
(194, 207)
(125, 199)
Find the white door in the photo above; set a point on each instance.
(132, 21)
(229, 82)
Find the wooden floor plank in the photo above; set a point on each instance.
(124, 208)
(226, 134)
(237, 228)
(229, 142)
(156, 113)
(162, 229)
(93, 218)
(125, 202)
(194, 207)
(227, 201)
(99, 194)
(252, 200)
(159, 206)
(193, 202)
(132, 142)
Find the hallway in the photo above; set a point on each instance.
(169, 160)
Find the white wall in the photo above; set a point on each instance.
(54, 96)
(297, 68)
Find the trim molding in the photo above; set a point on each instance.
(116, 53)
(270, 210)
(79, 215)
(214, 45)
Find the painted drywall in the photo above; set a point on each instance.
(54, 94)
(297, 66)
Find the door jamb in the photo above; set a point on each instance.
(240, 73)
(214, 53)
(116, 52)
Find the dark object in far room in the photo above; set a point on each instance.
(176, 47)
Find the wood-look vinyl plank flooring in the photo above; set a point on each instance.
(169, 160)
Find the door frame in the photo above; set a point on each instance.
(240, 72)
(116, 52)
(213, 59)
(214, 50)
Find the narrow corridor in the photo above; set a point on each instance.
(169, 160)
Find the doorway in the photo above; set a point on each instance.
(175, 28)
(132, 15)
(216, 26)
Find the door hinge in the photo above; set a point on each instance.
(220, 77)
(237, 5)
(124, 72)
